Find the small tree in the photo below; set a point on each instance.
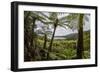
(55, 21)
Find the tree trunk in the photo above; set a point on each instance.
(45, 41)
(32, 43)
(80, 48)
(33, 33)
(27, 56)
(50, 47)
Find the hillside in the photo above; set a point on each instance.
(71, 36)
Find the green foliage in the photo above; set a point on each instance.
(61, 49)
(86, 40)
(86, 55)
(66, 49)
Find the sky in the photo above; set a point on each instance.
(60, 31)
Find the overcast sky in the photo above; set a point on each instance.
(60, 31)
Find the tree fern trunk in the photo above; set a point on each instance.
(27, 57)
(45, 41)
(80, 38)
(32, 43)
(50, 47)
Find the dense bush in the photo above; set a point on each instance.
(65, 49)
